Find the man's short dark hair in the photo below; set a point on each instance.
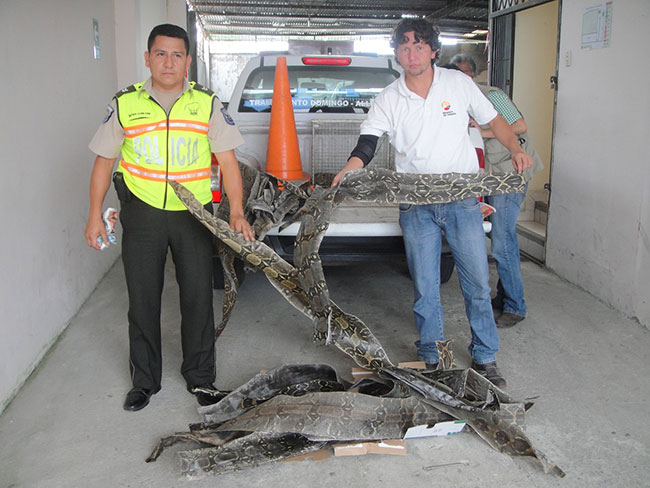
(169, 30)
(423, 30)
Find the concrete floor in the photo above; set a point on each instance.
(588, 364)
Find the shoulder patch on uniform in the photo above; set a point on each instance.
(109, 113)
(123, 91)
(227, 117)
(203, 89)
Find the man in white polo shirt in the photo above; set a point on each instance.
(426, 113)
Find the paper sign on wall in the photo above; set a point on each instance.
(597, 26)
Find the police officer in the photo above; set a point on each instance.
(166, 129)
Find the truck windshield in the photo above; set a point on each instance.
(339, 89)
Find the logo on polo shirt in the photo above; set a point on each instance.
(446, 109)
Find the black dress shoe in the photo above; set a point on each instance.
(431, 366)
(137, 399)
(206, 394)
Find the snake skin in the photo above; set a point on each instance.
(445, 355)
(252, 450)
(490, 412)
(339, 416)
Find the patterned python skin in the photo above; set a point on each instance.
(462, 394)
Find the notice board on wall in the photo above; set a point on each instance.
(597, 26)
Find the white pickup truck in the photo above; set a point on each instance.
(331, 96)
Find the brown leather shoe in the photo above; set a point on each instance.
(490, 372)
(507, 319)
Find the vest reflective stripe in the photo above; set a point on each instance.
(189, 126)
(185, 125)
(142, 129)
(159, 147)
(159, 175)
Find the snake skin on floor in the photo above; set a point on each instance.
(461, 394)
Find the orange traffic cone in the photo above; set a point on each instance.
(283, 154)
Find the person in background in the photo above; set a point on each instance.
(465, 63)
(508, 305)
(166, 129)
(426, 112)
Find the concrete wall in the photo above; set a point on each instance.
(599, 213)
(224, 73)
(55, 98)
(55, 94)
(203, 60)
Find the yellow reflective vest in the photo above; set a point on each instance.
(158, 147)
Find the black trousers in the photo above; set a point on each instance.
(148, 234)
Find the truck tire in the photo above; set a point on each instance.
(217, 273)
(446, 267)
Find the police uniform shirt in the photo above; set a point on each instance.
(222, 132)
(430, 135)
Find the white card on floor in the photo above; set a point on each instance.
(439, 429)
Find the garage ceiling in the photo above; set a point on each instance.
(231, 19)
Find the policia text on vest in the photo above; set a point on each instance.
(160, 147)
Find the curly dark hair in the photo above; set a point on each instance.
(423, 30)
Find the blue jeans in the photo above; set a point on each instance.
(505, 250)
(422, 227)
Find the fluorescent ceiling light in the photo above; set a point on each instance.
(448, 41)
